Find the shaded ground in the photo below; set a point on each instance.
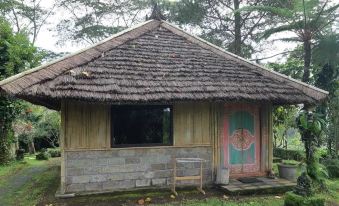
(25, 182)
(15, 182)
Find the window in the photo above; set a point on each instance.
(141, 125)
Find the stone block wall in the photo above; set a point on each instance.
(129, 168)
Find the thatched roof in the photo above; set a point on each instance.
(156, 62)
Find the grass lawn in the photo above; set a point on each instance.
(41, 187)
(26, 182)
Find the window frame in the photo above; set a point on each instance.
(114, 107)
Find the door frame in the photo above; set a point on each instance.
(227, 109)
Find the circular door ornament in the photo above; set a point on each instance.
(242, 139)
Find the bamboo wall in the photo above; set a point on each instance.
(85, 126)
(191, 124)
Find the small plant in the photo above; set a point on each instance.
(292, 199)
(54, 152)
(332, 166)
(288, 154)
(19, 154)
(43, 155)
(291, 162)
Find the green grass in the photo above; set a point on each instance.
(15, 166)
(33, 191)
(254, 201)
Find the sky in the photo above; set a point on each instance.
(47, 38)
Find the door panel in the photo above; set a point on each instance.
(241, 142)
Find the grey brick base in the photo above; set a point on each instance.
(127, 168)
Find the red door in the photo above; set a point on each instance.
(241, 142)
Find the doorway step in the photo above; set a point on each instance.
(264, 185)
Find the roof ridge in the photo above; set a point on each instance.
(175, 29)
(38, 68)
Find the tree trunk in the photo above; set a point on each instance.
(307, 60)
(31, 147)
(237, 30)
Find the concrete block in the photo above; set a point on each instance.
(101, 161)
(74, 171)
(163, 173)
(159, 182)
(121, 184)
(92, 170)
(75, 188)
(132, 160)
(158, 166)
(78, 163)
(116, 161)
(98, 178)
(124, 176)
(126, 153)
(95, 186)
(143, 183)
(80, 179)
(148, 174)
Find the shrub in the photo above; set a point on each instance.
(43, 155)
(290, 162)
(54, 152)
(292, 199)
(19, 154)
(288, 154)
(332, 166)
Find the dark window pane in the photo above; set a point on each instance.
(136, 125)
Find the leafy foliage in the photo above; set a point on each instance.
(292, 199)
(16, 55)
(29, 16)
(43, 155)
(37, 122)
(283, 122)
(287, 154)
(332, 166)
(307, 19)
(55, 152)
(311, 126)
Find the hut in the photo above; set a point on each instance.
(132, 103)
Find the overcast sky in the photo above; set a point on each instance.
(47, 38)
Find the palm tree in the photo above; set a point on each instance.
(307, 19)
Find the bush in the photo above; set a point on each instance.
(288, 154)
(332, 166)
(54, 152)
(290, 162)
(43, 155)
(292, 199)
(19, 154)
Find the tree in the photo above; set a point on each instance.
(307, 19)
(222, 25)
(92, 21)
(325, 56)
(311, 126)
(283, 120)
(16, 55)
(35, 122)
(27, 15)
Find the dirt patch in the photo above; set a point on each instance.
(162, 196)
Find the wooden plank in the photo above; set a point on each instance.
(270, 137)
(188, 178)
(87, 126)
(191, 124)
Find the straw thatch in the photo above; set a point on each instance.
(156, 63)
